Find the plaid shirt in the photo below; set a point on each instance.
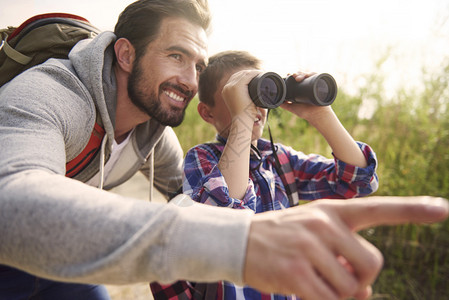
(316, 178)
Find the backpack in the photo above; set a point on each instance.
(39, 38)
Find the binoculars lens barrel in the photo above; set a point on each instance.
(269, 90)
(319, 89)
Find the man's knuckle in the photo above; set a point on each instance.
(373, 263)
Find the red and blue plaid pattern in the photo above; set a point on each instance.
(315, 176)
(187, 290)
(183, 290)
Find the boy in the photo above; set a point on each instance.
(239, 170)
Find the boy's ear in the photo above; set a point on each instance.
(125, 54)
(205, 113)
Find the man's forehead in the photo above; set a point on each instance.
(182, 28)
(179, 32)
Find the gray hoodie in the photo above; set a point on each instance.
(63, 229)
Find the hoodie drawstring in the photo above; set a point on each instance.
(102, 158)
(151, 174)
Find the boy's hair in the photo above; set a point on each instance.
(220, 64)
(140, 21)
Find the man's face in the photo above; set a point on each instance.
(165, 79)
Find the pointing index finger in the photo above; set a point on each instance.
(374, 211)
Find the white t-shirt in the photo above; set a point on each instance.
(115, 154)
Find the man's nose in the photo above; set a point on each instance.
(189, 78)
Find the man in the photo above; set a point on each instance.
(133, 83)
(65, 229)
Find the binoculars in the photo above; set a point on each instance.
(269, 90)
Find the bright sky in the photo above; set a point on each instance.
(344, 38)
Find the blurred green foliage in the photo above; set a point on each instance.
(410, 135)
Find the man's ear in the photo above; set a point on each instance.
(125, 54)
(205, 113)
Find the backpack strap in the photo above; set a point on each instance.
(14, 54)
(77, 164)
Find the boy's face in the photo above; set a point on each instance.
(222, 118)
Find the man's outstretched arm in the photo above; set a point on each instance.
(313, 250)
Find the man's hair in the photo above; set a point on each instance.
(140, 21)
(220, 64)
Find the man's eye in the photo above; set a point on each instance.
(200, 69)
(176, 56)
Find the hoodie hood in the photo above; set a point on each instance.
(92, 60)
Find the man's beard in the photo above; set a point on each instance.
(149, 103)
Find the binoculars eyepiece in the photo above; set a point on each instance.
(269, 90)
